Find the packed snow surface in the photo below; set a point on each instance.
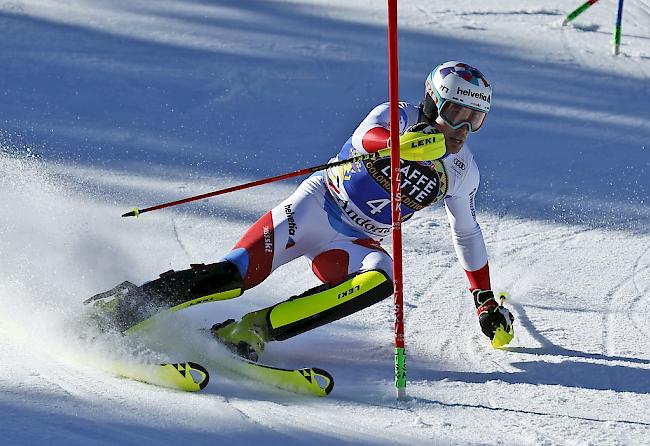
(105, 105)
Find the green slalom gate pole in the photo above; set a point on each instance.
(579, 10)
(617, 28)
(396, 201)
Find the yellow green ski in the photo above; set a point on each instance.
(307, 381)
(187, 376)
(193, 377)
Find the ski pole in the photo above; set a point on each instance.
(579, 10)
(416, 147)
(617, 28)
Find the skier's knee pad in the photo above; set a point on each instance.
(201, 283)
(327, 303)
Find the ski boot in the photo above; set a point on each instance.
(245, 338)
(105, 305)
(313, 308)
(127, 305)
(108, 300)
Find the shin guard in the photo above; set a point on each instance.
(201, 283)
(321, 305)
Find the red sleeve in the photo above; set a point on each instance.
(375, 139)
(479, 279)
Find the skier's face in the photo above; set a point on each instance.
(454, 138)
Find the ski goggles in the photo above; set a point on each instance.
(456, 116)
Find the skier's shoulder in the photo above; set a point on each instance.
(409, 113)
(403, 105)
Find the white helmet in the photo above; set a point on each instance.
(459, 93)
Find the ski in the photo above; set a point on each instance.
(307, 381)
(187, 376)
(192, 377)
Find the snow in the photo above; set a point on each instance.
(110, 104)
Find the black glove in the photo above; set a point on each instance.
(490, 314)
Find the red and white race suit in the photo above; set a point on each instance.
(338, 218)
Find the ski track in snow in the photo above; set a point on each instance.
(129, 104)
(641, 299)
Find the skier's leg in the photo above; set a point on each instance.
(343, 293)
(367, 282)
(281, 235)
(290, 230)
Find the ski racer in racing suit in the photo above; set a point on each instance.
(338, 218)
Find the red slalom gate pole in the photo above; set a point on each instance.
(396, 200)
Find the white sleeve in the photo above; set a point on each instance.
(465, 230)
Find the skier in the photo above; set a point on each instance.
(337, 220)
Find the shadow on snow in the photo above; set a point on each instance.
(259, 88)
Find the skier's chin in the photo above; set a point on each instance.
(454, 144)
